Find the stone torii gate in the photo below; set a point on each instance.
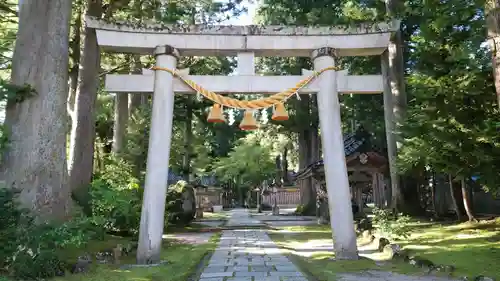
(168, 43)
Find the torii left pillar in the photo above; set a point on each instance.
(160, 138)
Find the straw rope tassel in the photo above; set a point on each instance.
(243, 104)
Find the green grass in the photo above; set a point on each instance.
(216, 216)
(320, 264)
(183, 260)
(323, 268)
(474, 249)
(193, 227)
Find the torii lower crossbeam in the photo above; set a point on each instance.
(347, 84)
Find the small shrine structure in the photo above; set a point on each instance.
(365, 167)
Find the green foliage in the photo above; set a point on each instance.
(4, 138)
(136, 150)
(389, 226)
(32, 250)
(176, 213)
(118, 172)
(14, 93)
(300, 210)
(116, 196)
(11, 218)
(249, 163)
(104, 119)
(451, 124)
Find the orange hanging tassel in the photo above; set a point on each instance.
(216, 115)
(279, 113)
(248, 123)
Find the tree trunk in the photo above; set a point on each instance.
(188, 138)
(98, 156)
(439, 197)
(393, 64)
(454, 199)
(492, 12)
(120, 124)
(136, 99)
(466, 200)
(307, 196)
(35, 161)
(314, 154)
(304, 150)
(75, 56)
(358, 195)
(83, 128)
(284, 164)
(397, 199)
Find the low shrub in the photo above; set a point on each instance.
(120, 207)
(300, 210)
(116, 196)
(390, 225)
(32, 251)
(180, 208)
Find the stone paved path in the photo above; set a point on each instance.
(249, 255)
(241, 218)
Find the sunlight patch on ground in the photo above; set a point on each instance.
(473, 248)
(218, 216)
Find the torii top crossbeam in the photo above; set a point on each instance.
(283, 41)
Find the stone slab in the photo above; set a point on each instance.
(216, 274)
(295, 278)
(238, 268)
(269, 278)
(255, 274)
(286, 274)
(239, 279)
(260, 268)
(214, 269)
(290, 267)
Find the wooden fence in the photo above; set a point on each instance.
(208, 198)
(283, 197)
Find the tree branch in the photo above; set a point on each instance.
(114, 69)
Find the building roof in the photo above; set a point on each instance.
(357, 148)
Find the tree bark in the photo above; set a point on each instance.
(397, 199)
(75, 56)
(492, 12)
(284, 164)
(307, 197)
(188, 138)
(393, 63)
(454, 199)
(35, 161)
(358, 195)
(314, 154)
(136, 100)
(120, 122)
(466, 200)
(81, 154)
(439, 197)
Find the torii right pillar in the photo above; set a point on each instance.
(337, 180)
